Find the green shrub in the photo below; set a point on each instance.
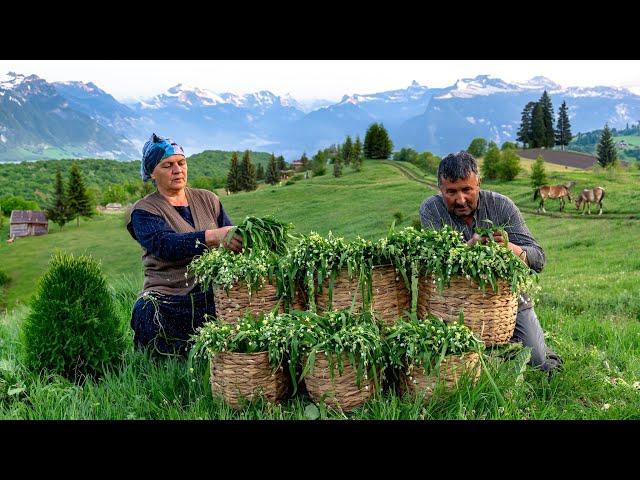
(73, 329)
(297, 176)
(290, 182)
(4, 278)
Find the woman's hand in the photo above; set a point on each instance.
(220, 236)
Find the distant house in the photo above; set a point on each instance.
(113, 206)
(622, 144)
(297, 165)
(28, 222)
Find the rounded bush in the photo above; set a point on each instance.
(73, 328)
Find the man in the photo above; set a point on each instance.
(463, 205)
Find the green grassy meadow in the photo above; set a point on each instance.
(589, 307)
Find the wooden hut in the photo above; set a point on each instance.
(28, 222)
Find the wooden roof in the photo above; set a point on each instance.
(28, 216)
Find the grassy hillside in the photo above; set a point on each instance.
(589, 305)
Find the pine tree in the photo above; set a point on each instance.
(537, 127)
(282, 165)
(233, 177)
(337, 167)
(563, 130)
(347, 150)
(304, 161)
(370, 139)
(356, 153)
(260, 172)
(272, 176)
(77, 198)
(58, 211)
(525, 133)
(607, 153)
(538, 174)
(247, 173)
(491, 163)
(547, 110)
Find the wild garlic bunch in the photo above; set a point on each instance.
(411, 342)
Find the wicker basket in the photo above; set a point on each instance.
(341, 392)
(452, 368)
(239, 376)
(390, 296)
(344, 290)
(232, 305)
(491, 316)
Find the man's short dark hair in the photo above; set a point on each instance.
(456, 166)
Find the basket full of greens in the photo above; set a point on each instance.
(246, 359)
(241, 282)
(432, 351)
(342, 357)
(482, 281)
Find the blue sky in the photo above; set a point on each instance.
(315, 79)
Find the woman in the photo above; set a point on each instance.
(173, 224)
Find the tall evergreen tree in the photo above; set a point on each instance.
(525, 133)
(547, 110)
(247, 173)
(356, 153)
(347, 150)
(370, 139)
(337, 167)
(304, 161)
(563, 130)
(537, 127)
(260, 172)
(282, 165)
(272, 176)
(233, 177)
(58, 211)
(538, 174)
(607, 153)
(491, 163)
(77, 196)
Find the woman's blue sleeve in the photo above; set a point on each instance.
(155, 235)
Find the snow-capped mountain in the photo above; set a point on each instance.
(36, 120)
(76, 118)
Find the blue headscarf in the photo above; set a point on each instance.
(154, 151)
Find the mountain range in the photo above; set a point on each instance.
(39, 119)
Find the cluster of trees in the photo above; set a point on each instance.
(377, 143)
(500, 164)
(426, 161)
(537, 126)
(479, 146)
(71, 202)
(242, 176)
(589, 141)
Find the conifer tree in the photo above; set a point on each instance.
(58, 211)
(260, 172)
(337, 167)
(356, 153)
(77, 196)
(347, 150)
(607, 153)
(547, 110)
(537, 127)
(247, 173)
(563, 130)
(282, 165)
(525, 133)
(233, 177)
(272, 176)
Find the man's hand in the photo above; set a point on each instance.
(220, 236)
(498, 237)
